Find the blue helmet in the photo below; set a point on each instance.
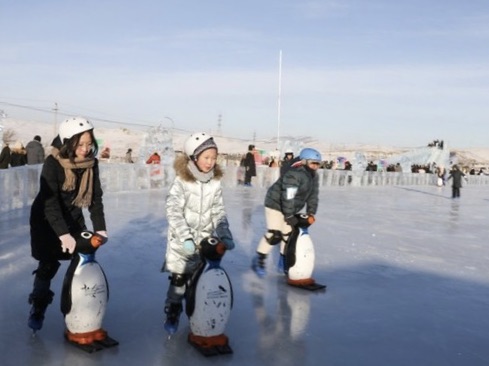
(310, 154)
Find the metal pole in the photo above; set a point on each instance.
(55, 118)
(279, 95)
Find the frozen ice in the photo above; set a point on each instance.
(405, 265)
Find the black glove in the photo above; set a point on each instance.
(292, 221)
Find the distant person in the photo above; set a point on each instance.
(285, 163)
(296, 190)
(273, 163)
(250, 165)
(128, 158)
(194, 210)
(35, 151)
(456, 175)
(154, 159)
(70, 183)
(18, 155)
(5, 157)
(105, 154)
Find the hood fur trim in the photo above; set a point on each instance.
(181, 169)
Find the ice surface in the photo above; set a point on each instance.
(406, 270)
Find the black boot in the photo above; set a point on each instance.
(39, 302)
(172, 312)
(40, 298)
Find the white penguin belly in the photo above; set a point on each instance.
(304, 258)
(213, 302)
(88, 297)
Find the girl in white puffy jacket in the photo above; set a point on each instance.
(194, 210)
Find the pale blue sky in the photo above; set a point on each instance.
(355, 71)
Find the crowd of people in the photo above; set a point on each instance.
(436, 143)
(18, 155)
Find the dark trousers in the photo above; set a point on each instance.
(247, 179)
(455, 192)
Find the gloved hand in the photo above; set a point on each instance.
(228, 243)
(189, 246)
(103, 233)
(68, 243)
(292, 220)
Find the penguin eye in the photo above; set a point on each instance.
(86, 235)
(213, 241)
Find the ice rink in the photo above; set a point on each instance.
(406, 269)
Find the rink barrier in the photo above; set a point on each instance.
(19, 185)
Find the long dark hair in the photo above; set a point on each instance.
(68, 149)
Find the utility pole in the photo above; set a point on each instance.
(219, 118)
(55, 110)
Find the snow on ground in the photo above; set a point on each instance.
(121, 139)
(406, 270)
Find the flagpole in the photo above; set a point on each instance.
(279, 96)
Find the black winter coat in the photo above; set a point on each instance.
(250, 165)
(53, 214)
(296, 189)
(457, 176)
(5, 158)
(17, 159)
(35, 152)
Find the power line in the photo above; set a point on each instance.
(59, 112)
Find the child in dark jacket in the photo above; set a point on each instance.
(297, 188)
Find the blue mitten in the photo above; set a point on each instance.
(229, 243)
(189, 246)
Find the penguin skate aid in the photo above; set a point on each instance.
(85, 295)
(295, 191)
(195, 211)
(71, 182)
(209, 301)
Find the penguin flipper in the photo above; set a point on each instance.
(66, 289)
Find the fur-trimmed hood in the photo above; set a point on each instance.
(181, 169)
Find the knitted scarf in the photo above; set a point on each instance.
(200, 176)
(84, 195)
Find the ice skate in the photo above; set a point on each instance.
(172, 312)
(258, 265)
(38, 309)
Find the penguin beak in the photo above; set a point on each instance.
(96, 240)
(220, 248)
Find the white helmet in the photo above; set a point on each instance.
(73, 126)
(197, 140)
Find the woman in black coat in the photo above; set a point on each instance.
(250, 165)
(69, 182)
